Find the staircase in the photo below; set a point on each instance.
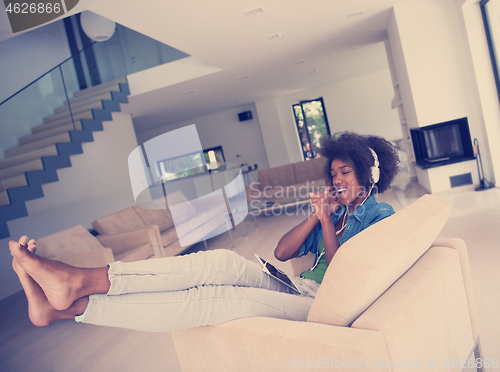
(36, 160)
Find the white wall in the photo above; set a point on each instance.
(168, 74)
(273, 132)
(485, 88)
(438, 85)
(439, 178)
(46, 45)
(401, 72)
(434, 58)
(223, 129)
(361, 104)
(96, 184)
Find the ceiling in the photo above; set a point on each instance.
(322, 41)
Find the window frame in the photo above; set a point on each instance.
(301, 103)
(493, 56)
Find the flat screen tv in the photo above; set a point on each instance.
(442, 143)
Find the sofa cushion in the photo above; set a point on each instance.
(155, 213)
(94, 258)
(121, 221)
(370, 262)
(277, 176)
(137, 254)
(310, 170)
(71, 241)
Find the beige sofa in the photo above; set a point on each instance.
(287, 183)
(78, 247)
(195, 220)
(394, 297)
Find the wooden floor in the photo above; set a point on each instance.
(69, 346)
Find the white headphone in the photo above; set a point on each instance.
(375, 169)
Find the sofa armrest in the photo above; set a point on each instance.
(95, 258)
(123, 242)
(461, 248)
(424, 316)
(268, 344)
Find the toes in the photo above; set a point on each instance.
(14, 248)
(32, 245)
(21, 247)
(24, 240)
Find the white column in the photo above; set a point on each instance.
(431, 61)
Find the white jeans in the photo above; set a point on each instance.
(203, 288)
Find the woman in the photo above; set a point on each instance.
(213, 287)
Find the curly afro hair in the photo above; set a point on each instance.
(355, 149)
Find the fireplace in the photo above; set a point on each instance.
(442, 144)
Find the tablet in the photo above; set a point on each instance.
(276, 273)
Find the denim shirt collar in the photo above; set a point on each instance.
(365, 215)
(359, 212)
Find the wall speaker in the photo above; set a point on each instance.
(247, 115)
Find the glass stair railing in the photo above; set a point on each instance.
(44, 123)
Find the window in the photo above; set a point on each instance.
(312, 126)
(191, 164)
(490, 10)
(182, 166)
(214, 157)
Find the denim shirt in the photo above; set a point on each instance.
(365, 215)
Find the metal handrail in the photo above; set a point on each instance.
(48, 72)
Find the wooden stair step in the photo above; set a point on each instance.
(49, 133)
(63, 137)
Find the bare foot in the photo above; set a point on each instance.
(40, 311)
(61, 284)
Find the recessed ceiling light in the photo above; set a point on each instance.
(313, 72)
(243, 77)
(276, 36)
(298, 62)
(355, 14)
(254, 12)
(191, 91)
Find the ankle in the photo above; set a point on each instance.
(78, 307)
(93, 281)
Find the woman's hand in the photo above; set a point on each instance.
(324, 203)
